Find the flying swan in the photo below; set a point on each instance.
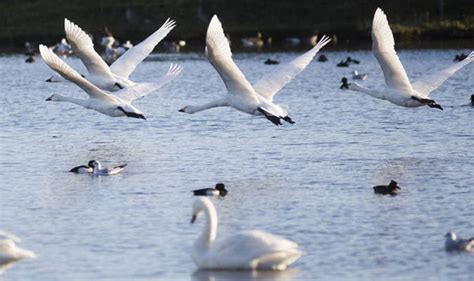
(116, 76)
(398, 88)
(241, 95)
(99, 100)
(250, 249)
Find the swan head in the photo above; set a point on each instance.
(450, 235)
(53, 98)
(345, 84)
(187, 109)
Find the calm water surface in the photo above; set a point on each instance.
(311, 182)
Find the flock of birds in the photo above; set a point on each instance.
(111, 92)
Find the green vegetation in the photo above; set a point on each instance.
(42, 20)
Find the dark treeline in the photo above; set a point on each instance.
(411, 20)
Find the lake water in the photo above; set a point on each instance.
(310, 182)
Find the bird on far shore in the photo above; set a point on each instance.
(270, 61)
(322, 58)
(460, 57)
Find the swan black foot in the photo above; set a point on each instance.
(429, 102)
(119, 86)
(275, 120)
(288, 119)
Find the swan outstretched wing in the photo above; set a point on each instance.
(8, 236)
(84, 48)
(428, 84)
(220, 56)
(55, 63)
(273, 82)
(127, 62)
(383, 48)
(140, 90)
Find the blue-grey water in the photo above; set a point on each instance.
(310, 182)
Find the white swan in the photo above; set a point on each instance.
(241, 95)
(98, 170)
(10, 252)
(250, 249)
(99, 100)
(116, 76)
(398, 88)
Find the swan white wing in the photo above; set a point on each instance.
(55, 63)
(427, 85)
(140, 90)
(251, 244)
(8, 236)
(127, 62)
(220, 56)
(83, 47)
(383, 48)
(273, 82)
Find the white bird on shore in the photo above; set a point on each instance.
(98, 170)
(250, 249)
(241, 95)
(116, 76)
(458, 244)
(10, 252)
(398, 88)
(117, 105)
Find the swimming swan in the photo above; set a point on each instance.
(241, 95)
(250, 249)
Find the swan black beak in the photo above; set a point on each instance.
(193, 219)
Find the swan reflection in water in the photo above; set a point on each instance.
(239, 275)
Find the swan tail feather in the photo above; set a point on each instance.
(277, 260)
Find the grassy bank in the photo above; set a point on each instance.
(412, 21)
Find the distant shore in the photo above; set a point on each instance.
(424, 24)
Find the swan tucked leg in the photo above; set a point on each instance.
(274, 119)
(428, 102)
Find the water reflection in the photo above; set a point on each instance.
(238, 275)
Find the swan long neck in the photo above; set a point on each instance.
(81, 102)
(210, 228)
(359, 88)
(212, 104)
